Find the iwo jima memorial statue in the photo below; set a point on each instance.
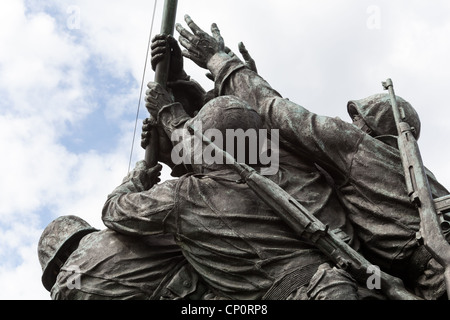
(268, 201)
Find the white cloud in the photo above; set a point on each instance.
(23, 281)
(41, 68)
(43, 83)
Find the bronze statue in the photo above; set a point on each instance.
(209, 227)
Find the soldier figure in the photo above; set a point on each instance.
(211, 229)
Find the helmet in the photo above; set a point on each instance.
(376, 111)
(221, 114)
(57, 237)
(228, 112)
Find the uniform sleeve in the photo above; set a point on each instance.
(62, 292)
(330, 142)
(141, 213)
(93, 288)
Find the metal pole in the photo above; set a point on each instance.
(161, 76)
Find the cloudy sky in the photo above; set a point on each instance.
(70, 74)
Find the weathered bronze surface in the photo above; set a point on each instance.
(334, 217)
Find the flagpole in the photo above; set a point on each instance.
(161, 76)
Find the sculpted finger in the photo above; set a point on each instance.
(159, 36)
(151, 103)
(216, 32)
(246, 55)
(188, 45)
(184, 33)
(154, 89)
(162, 43)
(154, 170)
(153, 121)
(146, 129)
(156, 58)
(243, 50)
(144, 140)
(184, 42)
(192, 55)
(192, 25)
(229, 52)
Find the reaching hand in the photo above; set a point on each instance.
(200, 46)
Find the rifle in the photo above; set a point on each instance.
(161, 76)
(419, 191)
(308, 226)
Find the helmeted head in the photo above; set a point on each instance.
(56, 244)
(228, 112)
(377, 113)
(221, 115)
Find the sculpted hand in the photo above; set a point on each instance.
(153, 175)
(161, 46)
(143, 176)
(156, 98)
(200, 46)
(164, 144)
